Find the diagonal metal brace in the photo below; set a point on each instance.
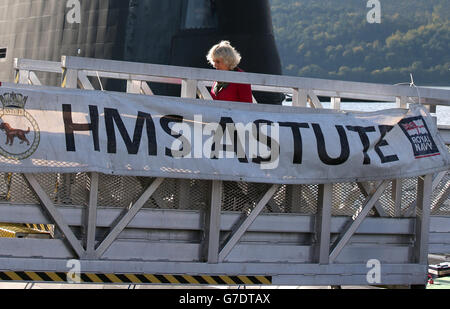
(126, 219)
(345, 237)
(365, 189)
(56, 216)
(237, 234)
(437, 178)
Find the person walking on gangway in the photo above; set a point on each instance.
(224, 57)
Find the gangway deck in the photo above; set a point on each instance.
(191, 230)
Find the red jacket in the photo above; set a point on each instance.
(232, 91)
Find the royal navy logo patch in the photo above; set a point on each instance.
(418, 134)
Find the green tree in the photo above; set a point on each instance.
(332, 39)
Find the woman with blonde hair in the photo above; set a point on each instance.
(224, 57)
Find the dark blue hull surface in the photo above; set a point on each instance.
(175, 32)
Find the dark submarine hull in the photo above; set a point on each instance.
(175, 32)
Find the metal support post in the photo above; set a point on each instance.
(323, 223)
(401, 102)
(134, 86)
(299, 97)
(91, 222)
(422, 226)
(189, 88)
(69, 78)
(22, 77)
(212, 224)
(335, 103)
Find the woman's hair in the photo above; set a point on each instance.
(225, 51)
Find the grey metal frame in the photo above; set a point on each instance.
(234, 243)
(319, 249)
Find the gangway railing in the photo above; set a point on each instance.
(154, 230)
(76, 70)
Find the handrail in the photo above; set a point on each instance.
(329, 86)
(301, 87)
(37, 65)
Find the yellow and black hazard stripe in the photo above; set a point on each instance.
(46, 228)
(14, 229)
(20, 230)
(61, 277)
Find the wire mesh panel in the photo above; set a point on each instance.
(440, 198)
(302, 198)
(194, 194)
(123, 191)
(387, 200)
(66, 189)
(244, 196)
(409, 195)
(348, 200)
(281, 202)
(62, 189)
(15, 189)
(120, 191)
(188, 194)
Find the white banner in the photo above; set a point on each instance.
(48, 130)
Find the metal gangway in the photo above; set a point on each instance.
(122, 229)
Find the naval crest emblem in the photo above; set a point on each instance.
(19, 131)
